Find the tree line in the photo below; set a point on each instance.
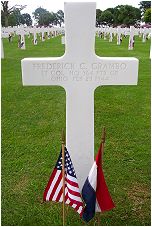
(120, 15)
(12, 16)
(124, 15)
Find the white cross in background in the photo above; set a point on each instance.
(131, 38)
(118, 35)
(34, 32)
(22, 31)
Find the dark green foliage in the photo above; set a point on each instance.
(32, 119)
(147, 16)
(16, 18)
(26, 19)
(45, 18)
(12, 20)
(127, 15)
(120, 15)
(107, 18)
(6, 14)
(98, 17)
(42, 16)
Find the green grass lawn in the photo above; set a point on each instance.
(32, 119)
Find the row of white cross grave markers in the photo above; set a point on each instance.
(47, 32)
(23, 31)
(80, 71)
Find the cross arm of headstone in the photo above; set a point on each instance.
(45, 71)
(115, 71)
(100, 71)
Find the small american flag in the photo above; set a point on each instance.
(54, 188)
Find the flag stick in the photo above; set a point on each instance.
(63, 173)
(103, 139)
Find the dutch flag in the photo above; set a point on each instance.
(95, 191)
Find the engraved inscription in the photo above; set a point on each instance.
(78, 72)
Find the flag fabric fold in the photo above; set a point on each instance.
(54, 188)
(95, 191)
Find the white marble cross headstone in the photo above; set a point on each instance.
(125, 31)
(34, 31)
(110, 34)
(144, 35)
(118, 35)
(29, 35)
(35, 38)
(105, 33)
(21, 31)
(80, 71)
(131, 38)
(48, 33)
(43, 33)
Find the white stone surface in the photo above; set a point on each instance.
(22, 31)
(43, 30)
(35, 38)
(105, 34)
(131, 38)
(48, 34)
(22, 42)
(63, 40)
(118, 35)
(144, 35)
(80, 71)
(110, 34)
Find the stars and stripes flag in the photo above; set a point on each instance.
(95, 192)
(54, 188)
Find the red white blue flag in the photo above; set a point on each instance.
(54, 188)
(95, 191)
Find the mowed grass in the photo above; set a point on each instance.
(32, 119)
